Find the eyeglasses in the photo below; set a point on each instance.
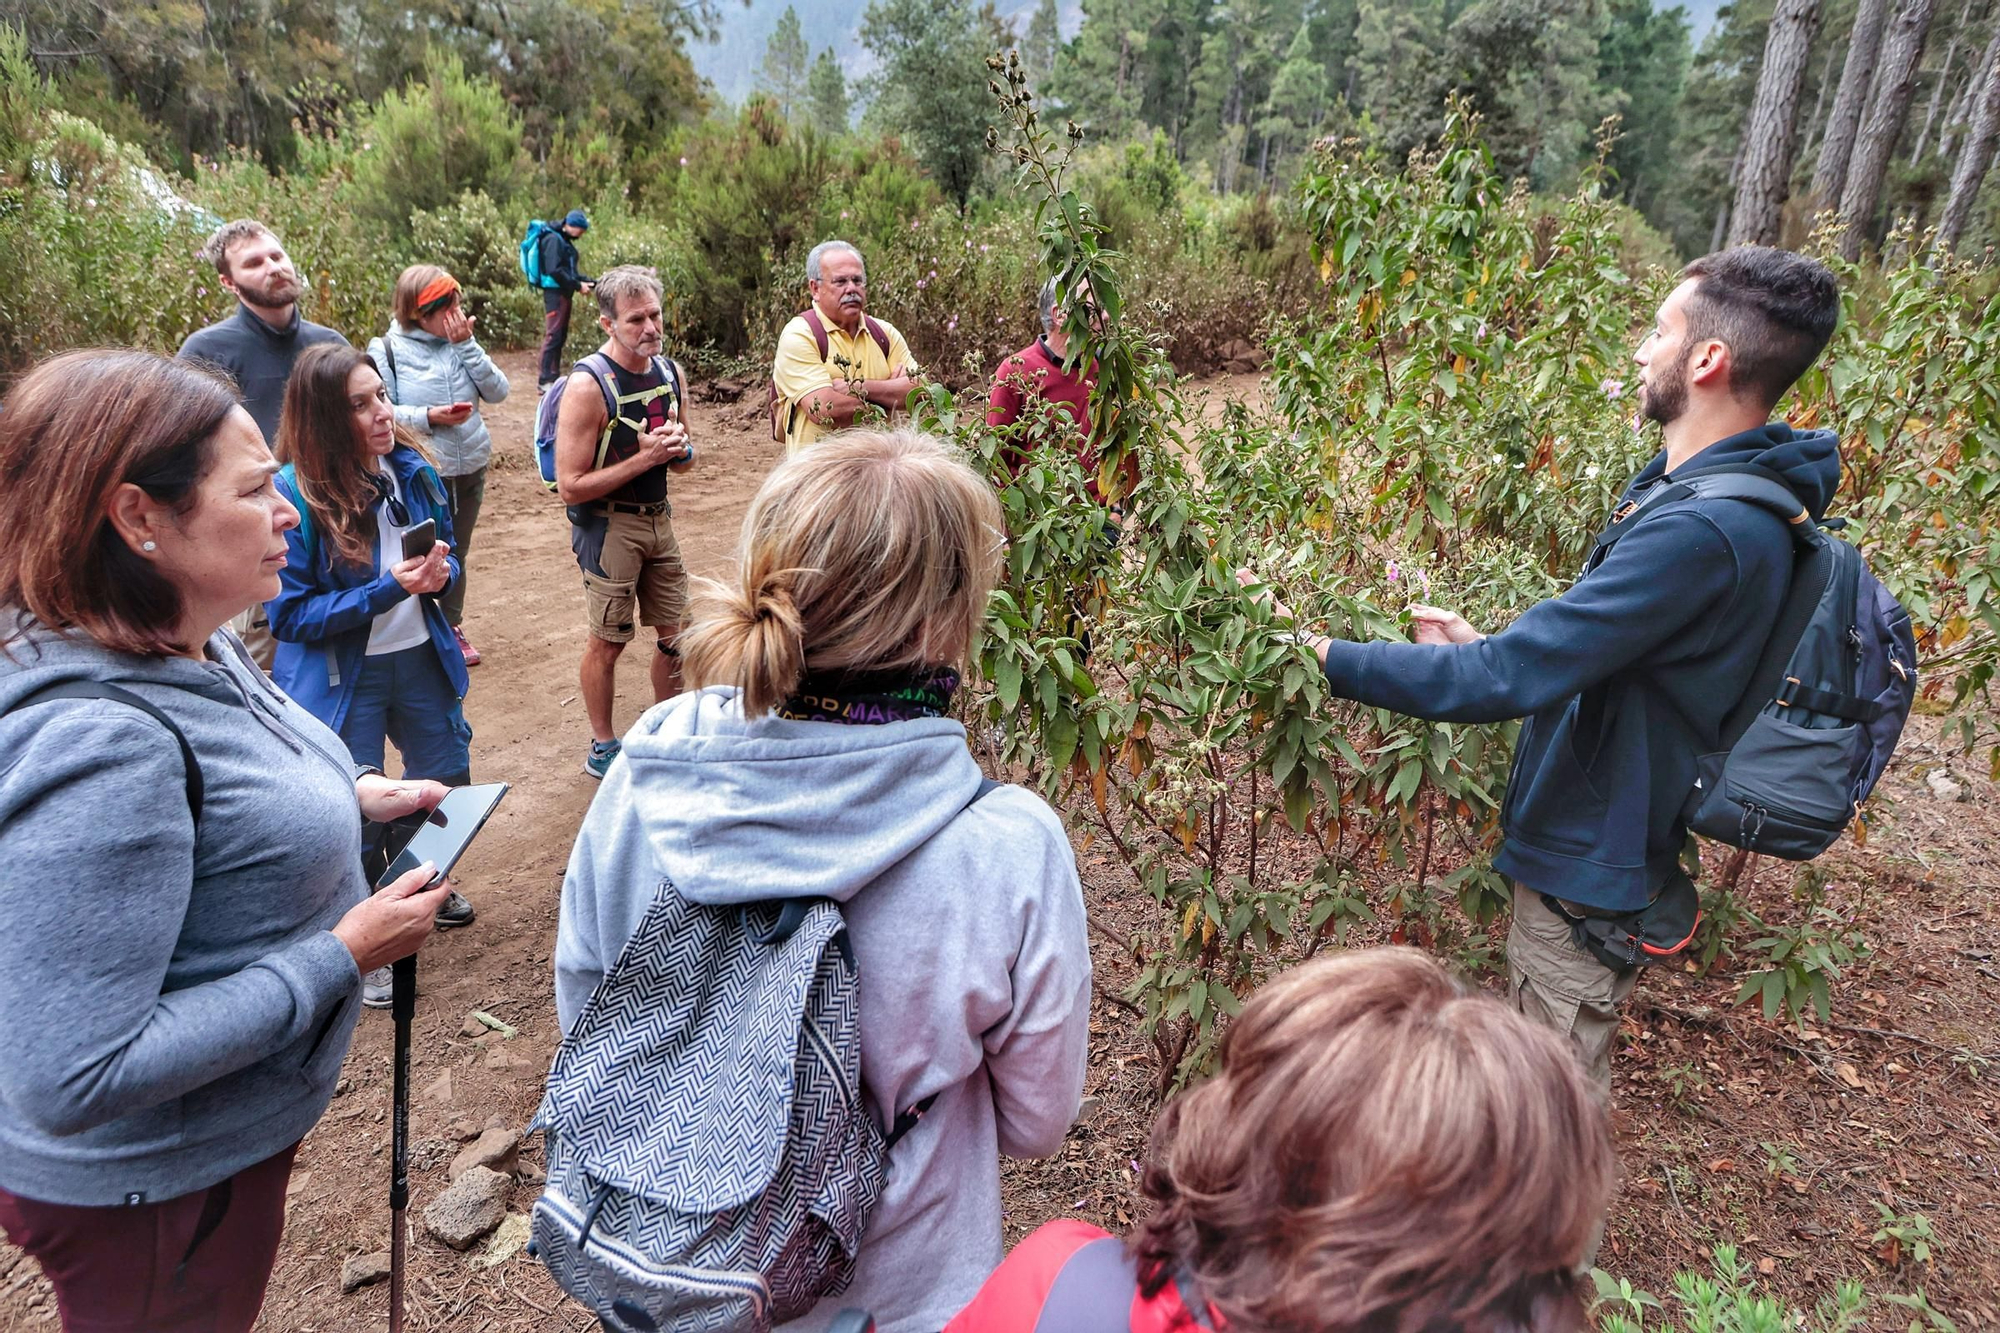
(399, 513)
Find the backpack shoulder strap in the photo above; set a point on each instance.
(97, 689)
(818, 331)
(289, 474)
(878, 333)
(1760, 487)
(598, 367)
(389, 356)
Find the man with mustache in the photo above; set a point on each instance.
(256, 346)
(619, 431)
(1626, 678)
(835, 360)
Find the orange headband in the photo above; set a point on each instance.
(437, 290)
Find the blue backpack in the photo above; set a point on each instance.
(599, 368)
(531, 255)
(1827, 702)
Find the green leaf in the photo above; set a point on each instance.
(1007, 682)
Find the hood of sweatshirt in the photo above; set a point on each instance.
(41, 657)
(746, 810)
(1808, 461)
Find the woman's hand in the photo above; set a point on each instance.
(383, 799)
(1279, 611)
(457, 324)
(452, 414)
(424, 573)
(393, 922)
(1428, 624)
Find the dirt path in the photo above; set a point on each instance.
(1729, 1128)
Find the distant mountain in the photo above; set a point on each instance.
(733, 63)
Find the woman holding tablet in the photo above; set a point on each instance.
(187, 921)
(362, 641)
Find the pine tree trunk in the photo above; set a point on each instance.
(1857, 76)
(1977, 157)
(1937, 89)
(1722, 209)
(1771, 132)
(1895, 79)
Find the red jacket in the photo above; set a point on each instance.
(1036, 372)
(1071, 1277)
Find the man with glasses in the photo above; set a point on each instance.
(835, 360)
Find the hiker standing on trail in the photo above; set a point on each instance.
(560, 281)
(1383, 1147)
(437, 375)
(1625, 679)
(256, 346)
(819, 762)
(187, 920)
(835, 360)
(619, 431)
(363, 644)
(1036, 372)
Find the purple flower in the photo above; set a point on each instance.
(1394, 572)
(1613, 389)
(684, 161)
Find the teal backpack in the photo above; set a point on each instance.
(531, 255)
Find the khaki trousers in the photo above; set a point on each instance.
(1563, 987)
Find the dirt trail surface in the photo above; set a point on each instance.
(1730, 1128)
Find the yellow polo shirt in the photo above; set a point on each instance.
(797, 369)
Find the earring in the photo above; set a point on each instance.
(149, 546)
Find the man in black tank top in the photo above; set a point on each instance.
(616, 486)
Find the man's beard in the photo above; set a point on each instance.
(272, 294)
(1666, 397)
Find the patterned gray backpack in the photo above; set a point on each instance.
(711, 1159)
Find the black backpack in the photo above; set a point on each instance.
(1827, 702)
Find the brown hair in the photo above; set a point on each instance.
(75, 429)
(410, 283)
(1383, 1149)
(216, 248)
(316, 436)
(871, 551)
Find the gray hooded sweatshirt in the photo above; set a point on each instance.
(968, 931)
(173, 1007)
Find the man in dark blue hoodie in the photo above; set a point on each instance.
(1626, 677)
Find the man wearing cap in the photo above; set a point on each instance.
(559, 268)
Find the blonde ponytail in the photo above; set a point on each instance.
(869, 551)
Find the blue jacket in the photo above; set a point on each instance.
(325, 608)
(1624, 679)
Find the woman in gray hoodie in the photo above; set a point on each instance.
(437, 374)
(185, 917)
(820, 761)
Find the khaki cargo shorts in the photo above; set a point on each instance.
(1562, 986)
(644, 581)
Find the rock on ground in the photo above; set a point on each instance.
(363, 1270)
(494, 1149)
(474, 1204)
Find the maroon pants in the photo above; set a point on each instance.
(195, 1264)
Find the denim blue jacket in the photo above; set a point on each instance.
(325, 608)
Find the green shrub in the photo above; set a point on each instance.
(442, 135)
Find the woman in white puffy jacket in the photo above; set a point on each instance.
(437, 375)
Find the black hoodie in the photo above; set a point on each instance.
(1624, 679)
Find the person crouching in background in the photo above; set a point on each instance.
(437, 375)
(362, 642)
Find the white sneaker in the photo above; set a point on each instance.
(375, 988)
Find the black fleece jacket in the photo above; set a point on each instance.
(1624, 679)
(258, 357)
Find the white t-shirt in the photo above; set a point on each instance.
(402, 625)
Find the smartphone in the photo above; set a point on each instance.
(439, 836)
(417, 541)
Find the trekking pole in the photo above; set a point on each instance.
(402, 1007)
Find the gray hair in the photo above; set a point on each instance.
(825, 247)
(216, 249)
(615, 284)
(1048, 306)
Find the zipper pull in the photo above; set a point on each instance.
(1854, 639)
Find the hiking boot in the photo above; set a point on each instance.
(465, 646)
(598, 762)
(375, 988)
(455, 912)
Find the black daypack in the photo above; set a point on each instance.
(1831, 691)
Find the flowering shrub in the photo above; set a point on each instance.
(1450, 425)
